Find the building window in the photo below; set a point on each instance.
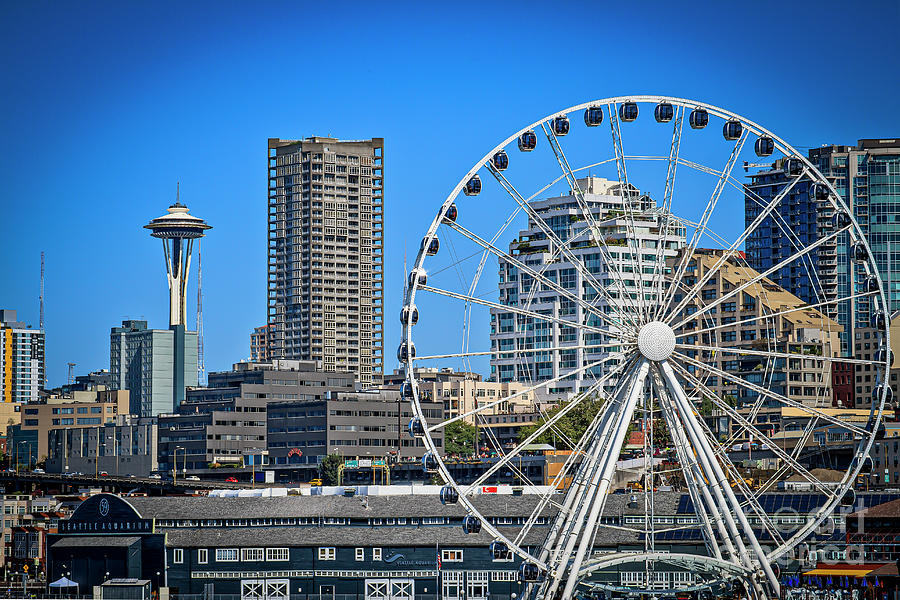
(178, 556)
(277, 554)
(451, 555)
(326, 554)
(252, 554)
(360, 554)
(202, 556)
(226, 554)
(376, 553)
(477, 587)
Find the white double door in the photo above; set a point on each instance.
(389, 589)
(264, 589)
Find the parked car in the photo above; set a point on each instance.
(39, 471)
(316, 481)
(156, 476)
(231, 480)
(192, 478)
(104, 474)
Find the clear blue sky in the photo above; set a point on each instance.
(104, 106)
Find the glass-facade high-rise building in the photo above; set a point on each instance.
(867, 176)
(326, 253)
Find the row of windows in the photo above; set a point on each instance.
(235, 555)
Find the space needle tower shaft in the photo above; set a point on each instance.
(177, 229)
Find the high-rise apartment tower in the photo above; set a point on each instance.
(326, 253)
(21, 359)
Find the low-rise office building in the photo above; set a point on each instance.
(461, 392)
(78, 409)
(225, 423)
(356, 425)
(126, 446)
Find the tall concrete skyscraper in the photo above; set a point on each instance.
(867, 176)
(326, 253)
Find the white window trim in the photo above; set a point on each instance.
(376, 554)
(278, 554)
(360, 554)
(178, 556)
(327, 553)
(247, 554)
(451, 555)
(221, 553)
(202, 556)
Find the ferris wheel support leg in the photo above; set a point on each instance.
(568, 516)
(567, 536)
(700, 496)
(574, 526)
(717, 476)
(611, 455)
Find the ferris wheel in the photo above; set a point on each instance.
(621, 271)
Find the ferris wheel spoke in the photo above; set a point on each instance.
(521, 393)
(754, 280)
(537, 275)
(543, 427)
(671, 169)
(812, 411)
(699, 232)
(751, 428)
(517, 310)
(498, 351)
(625, 191)
(773, 354)
(770, 206)
(561, 246)
(776, 314)
(593, 227)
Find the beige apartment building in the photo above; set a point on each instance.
(865, 345)
(10, 414)
(92, 408)
(462, 392)
(803, 332)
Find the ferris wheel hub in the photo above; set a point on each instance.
(656, 341)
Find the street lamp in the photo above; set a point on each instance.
(175, 464)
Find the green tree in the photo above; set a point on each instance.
(707, 406)
(661, 436)
(569, 428)
(329, 467)
(459, 438)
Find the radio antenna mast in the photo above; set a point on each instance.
(42, 292)
(201, 367)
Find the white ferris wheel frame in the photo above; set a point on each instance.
(755, 559)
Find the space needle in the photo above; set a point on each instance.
(177, 229)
